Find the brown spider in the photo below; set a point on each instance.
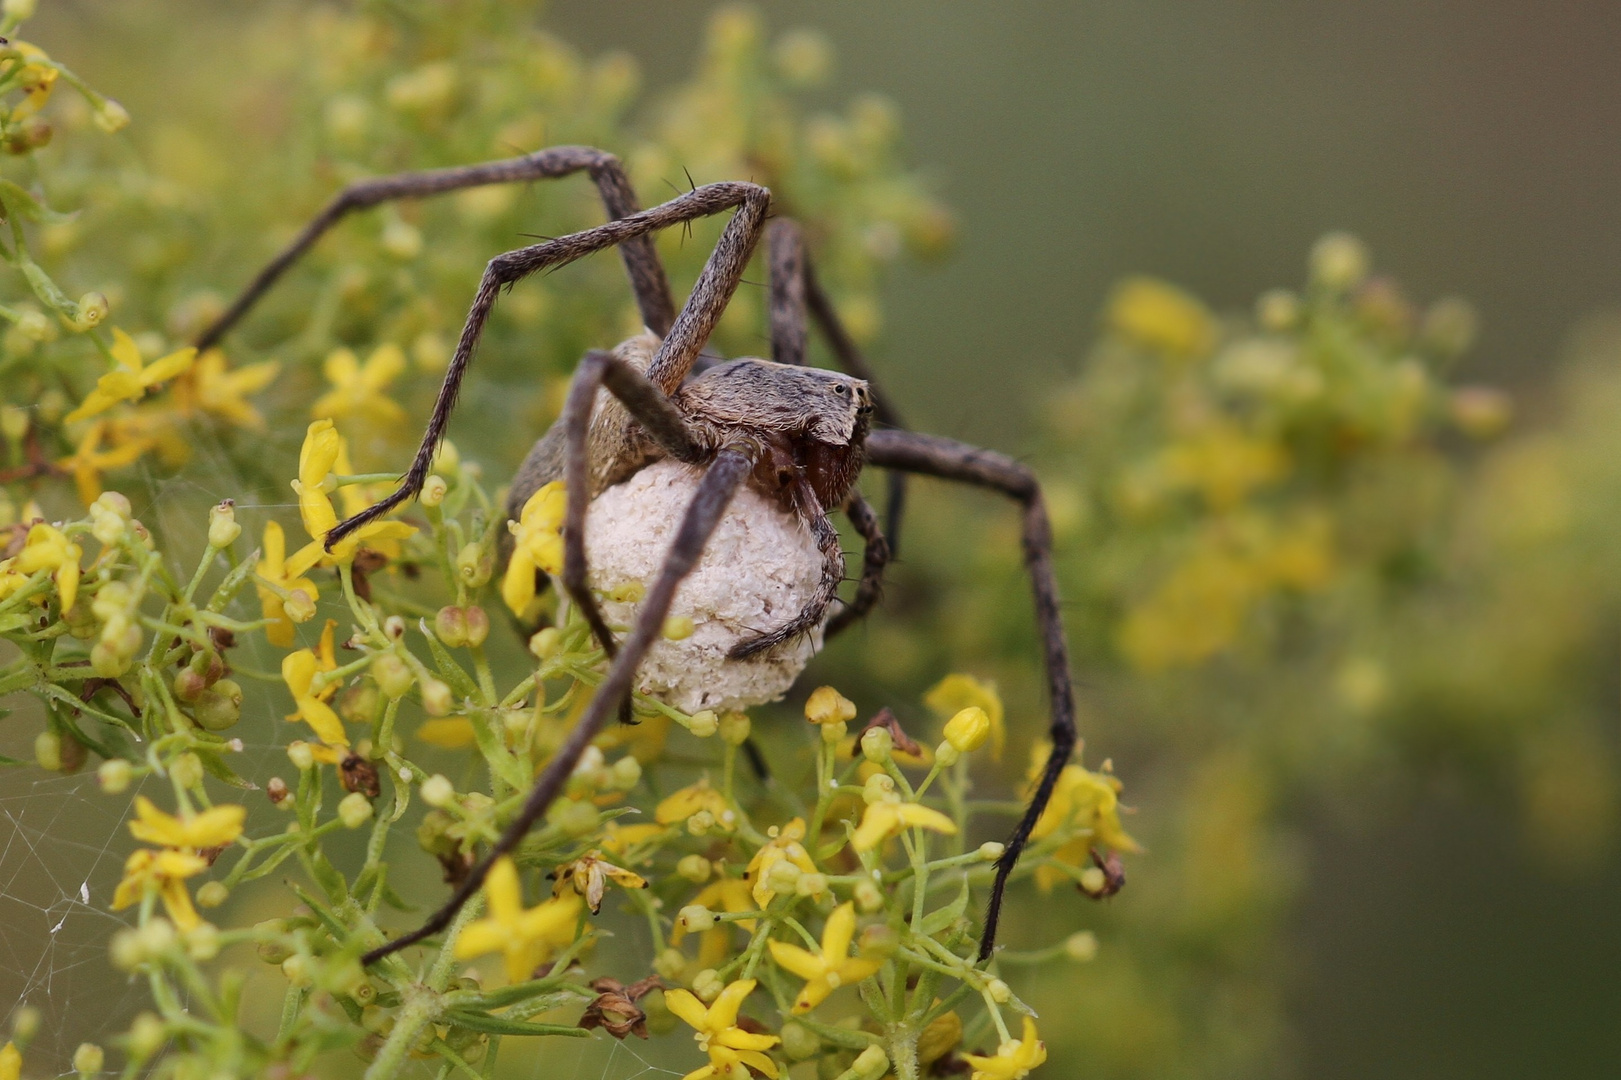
(798, 435)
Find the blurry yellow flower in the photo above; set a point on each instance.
(359, 389)
(1086, 801)
(886, 819)
(1161, 316)
(618, 839)
(36, 79)
(88, 461)
(165, 873)
(210, 387)
(718, 1035)
(784, 846)
(537, 545)
(830, 969)
(954, 693)
(732, 895)
(681, 805)
(448, 732)
(11, 1062)
(49, 548)
(589, 876)
(130, 379)
(214, 827)
(525, 938)
(1223, 464)
(939, 1038)
(298, 671)
(273, 570)
(1014, 1058)
(316, 458)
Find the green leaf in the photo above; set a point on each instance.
(454, 674)
(214, 762)
(495, 1025)
(941, 918)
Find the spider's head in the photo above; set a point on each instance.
(801, 402)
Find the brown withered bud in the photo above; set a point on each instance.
(276, 790)
(355, 773)
(457, 865)
(367, 561)
(615, 1010)
(210, 854)
(222, 638)
(1114, 875)
(899, 739)
(589, 876)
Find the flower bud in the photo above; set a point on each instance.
(879, 941)
(211, 894)
(434, 490)
(202, 941)
(189, 686)
(999, 991)
(114, 776)
(474, 564)
(870, 1064)
(354, 810)
(1339, 261)
(300, 754)
(187, 770)
(783, 877)
(48, 751)
(437, 790)
(678, 627)
(222, 527)
(704, 723)
(276, 791)
(827, 706)
(17, 11)
(436, 697)
(1094, 881)
(88, 1058)
(695, 919)
(877, 744)
(544, 644)
(811, 884)
(220, 706)
(707, 985)
(625, 773)
(695, 868)
(157, 937)
(735, 728)
(868, 896)
(575, 817)
(90, 310)
(478, 625)
(1081, 946)
(298, 969)
(800, 1042)
(968, 730)
(450, 626)
(394, 627)
(394, 676)
(299, 606)
(110, 116)
(700, 823)
(880, 787)
(669, 964)
(991, 850)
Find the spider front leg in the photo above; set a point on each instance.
(951, 460)
(647, 276)
(680, 348)
(729, 469)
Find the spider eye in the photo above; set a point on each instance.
(840, 389)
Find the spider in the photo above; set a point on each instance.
(795, 434)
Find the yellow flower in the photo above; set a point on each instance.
(1014, 1058)
(731, 895)
(36, 80)
(88, 461)
(165, 873)
(358, 389)
(298, 672)
(448, 732)
(954, 693)
(1223, 464)
(212, 828)
(681, 805)
(130, 379)
(785, 845)
(11, 1062)
(1161, 316)
(1091, 803)
(316, 458)
(49, 548)
(830, 969)
(211, 388)
(827, 706)
(618, 839)
(525, 938)
(589, 875)
(718, 1035)
(273, 572)
(537, 545)
(886, 819)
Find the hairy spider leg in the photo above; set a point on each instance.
(659, 419)
(681, 345)
(875, 557)
(647, 276)
(951, 460)
(728, 470)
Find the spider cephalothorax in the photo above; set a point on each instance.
(794, 438)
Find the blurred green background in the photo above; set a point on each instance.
(1472, 146)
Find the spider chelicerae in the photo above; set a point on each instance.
(797, 435)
